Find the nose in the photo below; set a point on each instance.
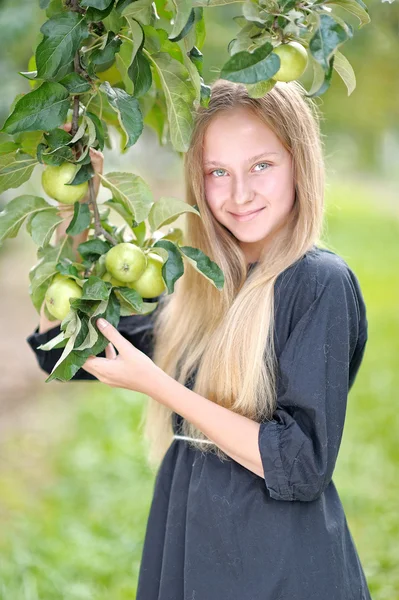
(242, 192)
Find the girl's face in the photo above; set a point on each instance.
(246, 168)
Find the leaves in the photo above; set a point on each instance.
(42, 226)
(166, 210)
(73, 359)
(15, 169)
(81, 219)
(140, 10)
(184, 11)
(203, 264)
(43, 109)
(179, 94)
(173, 267)
(356, 7)
(247, 67)
(326, 39)
(17, 210)
(140, 74)
(345, 71)
(63, 35)
(131, 191)
(128, 111)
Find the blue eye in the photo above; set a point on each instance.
(262, 163)
(223, 171)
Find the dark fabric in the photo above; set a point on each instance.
(136, 328)
(218, 531)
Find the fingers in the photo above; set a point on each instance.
(97, 160)
(110, 352)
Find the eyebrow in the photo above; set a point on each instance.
(209, 163)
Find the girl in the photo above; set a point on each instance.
(248, 385)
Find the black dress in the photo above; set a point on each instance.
(218, 531)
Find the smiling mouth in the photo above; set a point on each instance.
(247, 213)
(247, 216)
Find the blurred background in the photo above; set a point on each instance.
(75, 490)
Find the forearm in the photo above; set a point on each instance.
(234, 434)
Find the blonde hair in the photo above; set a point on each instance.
(225, 336)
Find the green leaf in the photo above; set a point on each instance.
(92, 335)
(140, 74)
(173, 267)
(54, 343)
(56, 138)
(126, 54)
(15, 169)
(94, 14)
(17, 210)
(252, 67)
(42, 109)
(70, 269)
(42, 226)
(98, 4)
(96, 289)
(81, 219)
(128, 110)
(257, 90)
(141, 10)
(166, 210)
(28, 141)
(184, 16)
(75, 83)
(93, 248)
(63, 35)
(131, 191)
(345, 71)
(179, 95)
(99, 127)
(355, 7)
(326, 39)
(131, 297)
(103, 58)
(326, 82)
(140, 232)
(204, 265)
(8, 148)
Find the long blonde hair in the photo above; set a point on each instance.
(225, 336)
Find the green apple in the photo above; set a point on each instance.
(108, 277)
(58, 295)
(293, 58)
(151, 283)
(54, 180)
(126, 262)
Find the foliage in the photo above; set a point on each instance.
(151, 51)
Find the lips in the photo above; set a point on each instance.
(247, 213)
(248, 216)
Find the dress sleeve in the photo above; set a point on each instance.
(137, 329)
(300, 444)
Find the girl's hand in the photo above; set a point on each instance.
(97, 161)
(130, 369)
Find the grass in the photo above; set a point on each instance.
(75, 490)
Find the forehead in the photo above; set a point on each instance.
(238, 133)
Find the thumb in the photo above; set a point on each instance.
(113, 335)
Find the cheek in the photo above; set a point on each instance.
(215, 192)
